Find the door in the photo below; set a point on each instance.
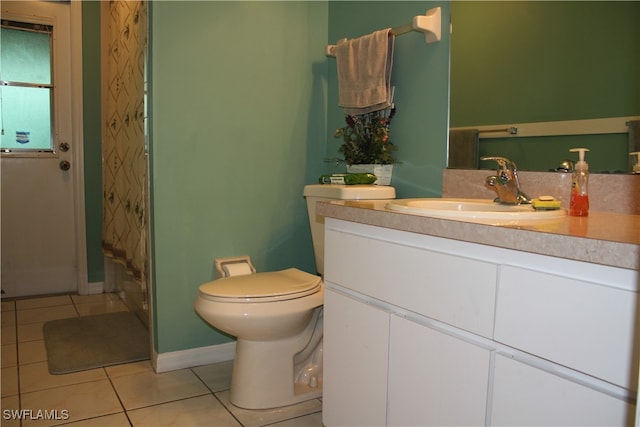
(38, 204)
(528, 396)
(356, 349)
(435, 379)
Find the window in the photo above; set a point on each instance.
(26, 88)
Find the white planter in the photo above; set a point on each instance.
(382, 172)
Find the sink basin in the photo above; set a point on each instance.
(483, 211)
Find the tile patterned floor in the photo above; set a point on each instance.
(124, 395)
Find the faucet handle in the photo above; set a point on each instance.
(503, 162)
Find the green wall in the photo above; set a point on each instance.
(519, 62)
(238, 101)
(421, 76)
(92, 138)
(242, 117)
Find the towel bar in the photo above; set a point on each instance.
(555, 128)
(512, 130)
(430, 24)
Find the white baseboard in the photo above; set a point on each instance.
(163, 362)
(95, 288)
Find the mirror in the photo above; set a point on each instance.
(517, 63)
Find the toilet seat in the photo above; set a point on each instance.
(262, 287)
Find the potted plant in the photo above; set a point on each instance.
(366, 144)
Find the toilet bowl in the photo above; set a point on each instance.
(277, 317)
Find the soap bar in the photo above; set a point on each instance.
(546, 203)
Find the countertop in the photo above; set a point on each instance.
(606, 238)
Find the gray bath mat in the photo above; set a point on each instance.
(88, 342)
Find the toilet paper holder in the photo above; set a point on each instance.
(234, 266)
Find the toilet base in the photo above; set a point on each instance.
(263, 379)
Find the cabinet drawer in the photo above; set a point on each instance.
(584, 326)
(452, 289)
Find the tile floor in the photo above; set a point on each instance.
(124, 395)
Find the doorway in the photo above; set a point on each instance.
(43, 246)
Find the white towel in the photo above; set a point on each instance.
(364, 72)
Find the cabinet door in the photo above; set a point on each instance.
(356, 346)
(435, 379)
(527, 396)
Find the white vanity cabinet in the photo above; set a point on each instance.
(421, 330)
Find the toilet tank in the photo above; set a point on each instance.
(320, 192)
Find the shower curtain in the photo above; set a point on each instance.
(124, 168)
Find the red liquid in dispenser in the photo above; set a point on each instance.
(579, 205)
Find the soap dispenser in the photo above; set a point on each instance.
(579, 203)
(636, 165)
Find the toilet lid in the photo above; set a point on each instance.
(270, 286)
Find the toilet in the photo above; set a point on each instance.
(277, 317)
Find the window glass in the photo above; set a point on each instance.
(26, 90)
(25, 56)
(26, 114)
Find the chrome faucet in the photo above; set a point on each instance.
(505, 183)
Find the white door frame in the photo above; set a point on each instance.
(78, 151)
